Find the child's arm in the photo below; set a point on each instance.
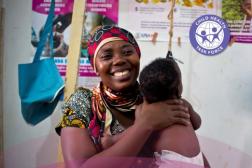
(195, 118)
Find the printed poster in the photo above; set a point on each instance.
(151, 17)
(238, 14)
(102, 12)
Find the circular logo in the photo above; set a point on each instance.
(209, 35)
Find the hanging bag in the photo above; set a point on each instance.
(40, 84)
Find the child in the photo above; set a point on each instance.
(177, 144)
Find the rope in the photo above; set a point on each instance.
(171, 18)
(243, 23)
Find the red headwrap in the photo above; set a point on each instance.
(106, 34)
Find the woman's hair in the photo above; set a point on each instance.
(160, 80)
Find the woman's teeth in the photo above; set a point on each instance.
(121, 73)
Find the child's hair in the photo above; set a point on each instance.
(160, 80)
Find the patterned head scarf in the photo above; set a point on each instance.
(107, 34)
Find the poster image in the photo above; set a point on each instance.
(238, 14)
(151, 17)
(97, 13)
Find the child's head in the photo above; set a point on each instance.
(161, 80)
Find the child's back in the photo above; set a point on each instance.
(161, 80)
(177, 138)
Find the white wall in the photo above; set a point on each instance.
(220, 89)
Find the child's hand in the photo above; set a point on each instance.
(108, 140)
(187, 104)
(195, 118)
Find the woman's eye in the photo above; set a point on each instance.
(127, 52)
(106, 56)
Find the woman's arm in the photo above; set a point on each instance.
(79, 150)
(195, 118)
(109, 140)
(77, 146)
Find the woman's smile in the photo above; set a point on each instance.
(121, 74)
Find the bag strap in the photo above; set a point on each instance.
(48, 28)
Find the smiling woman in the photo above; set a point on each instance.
(113, 106)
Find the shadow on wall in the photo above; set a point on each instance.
(30, 154)
(221, 155)
(49, 151)
(36, 152)
(247, 145)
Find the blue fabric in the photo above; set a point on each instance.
(40, 84)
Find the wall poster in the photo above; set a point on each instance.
(102, 12)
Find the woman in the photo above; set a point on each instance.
(113, 106)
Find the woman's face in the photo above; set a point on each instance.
(117, 63)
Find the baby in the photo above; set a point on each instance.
(177, 144)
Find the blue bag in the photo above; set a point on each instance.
(40, 84)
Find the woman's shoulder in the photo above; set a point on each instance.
(81, 96)
(82, 92)
(77, 110)
(79, 102)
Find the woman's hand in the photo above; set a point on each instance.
(162, 114)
